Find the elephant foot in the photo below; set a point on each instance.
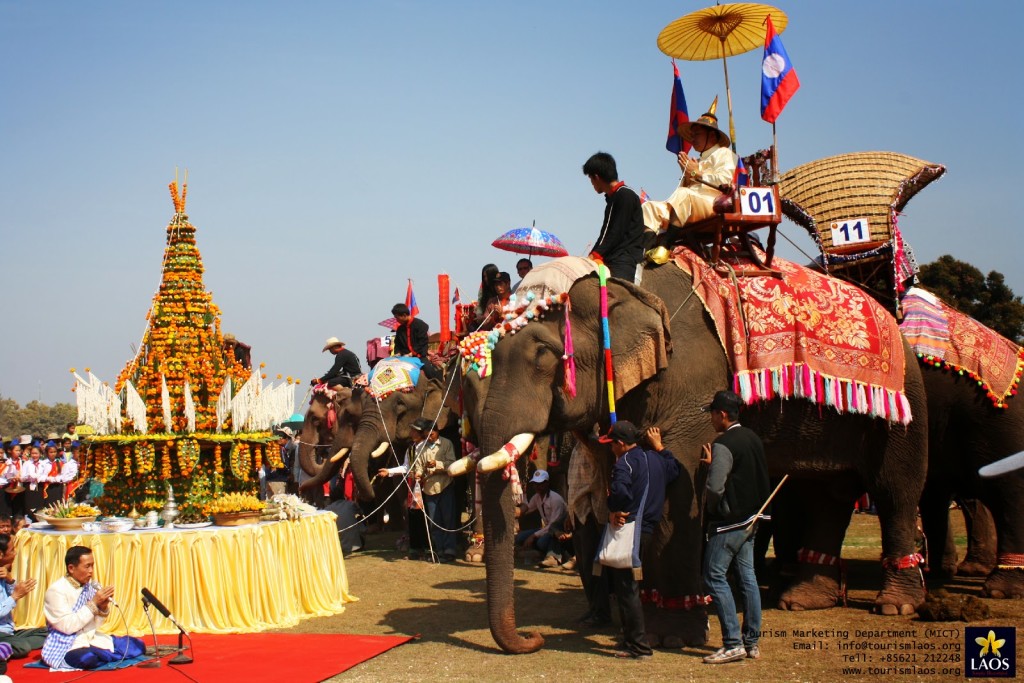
(676, 628)
(973, 567)
(816, 587)
(1005, 584)
(903, 588)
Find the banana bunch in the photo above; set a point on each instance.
(236, 502)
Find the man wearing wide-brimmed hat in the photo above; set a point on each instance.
(346, 365)
(693, 200)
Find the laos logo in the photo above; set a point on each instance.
(991, 652)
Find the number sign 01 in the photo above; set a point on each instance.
(757, 201)
(851, 231)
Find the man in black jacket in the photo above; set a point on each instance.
(346, 365)
(737, 488)
(411, 333)
(621, 242)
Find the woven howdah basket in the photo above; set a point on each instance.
(824, 194)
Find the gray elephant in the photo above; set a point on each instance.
(526, 396)
(327, 431)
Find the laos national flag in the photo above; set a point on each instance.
(740, 178)
(778, 78)
(410, 301)
(677, 114)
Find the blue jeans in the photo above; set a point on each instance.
(546, 543)
(441, 510)
(721, 551)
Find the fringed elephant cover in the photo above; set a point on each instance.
(944, 337)
(805, 335)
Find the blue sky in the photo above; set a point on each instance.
(337, 148)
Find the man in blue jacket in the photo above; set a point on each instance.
(637, 490)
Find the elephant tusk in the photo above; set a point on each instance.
(461, 466)
(339, 455)
(380, 450)
(516, 446)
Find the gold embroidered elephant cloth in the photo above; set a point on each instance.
(804, 335)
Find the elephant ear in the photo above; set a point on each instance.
(639, 324)
(433, 401)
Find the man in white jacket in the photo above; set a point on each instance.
(75, 608)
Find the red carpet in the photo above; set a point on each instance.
(253, 658)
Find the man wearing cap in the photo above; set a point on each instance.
(620, 245)
(639, 476)
(693, 200)
(346, 365)
(737, 488)
(433, 457)
(553, 511)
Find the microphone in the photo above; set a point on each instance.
(96, 586)
(151, 599)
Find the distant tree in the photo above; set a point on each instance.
(35, 418)
(986, 299)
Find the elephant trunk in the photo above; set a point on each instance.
(308, 438)
(499, 520)
(365, 446)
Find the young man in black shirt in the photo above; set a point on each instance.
(621, 242)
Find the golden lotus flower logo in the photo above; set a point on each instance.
(990, 644)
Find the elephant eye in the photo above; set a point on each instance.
(546, 358)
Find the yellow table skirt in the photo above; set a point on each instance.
(213, 580)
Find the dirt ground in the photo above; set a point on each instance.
(444, 606)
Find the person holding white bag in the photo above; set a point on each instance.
(636, 494)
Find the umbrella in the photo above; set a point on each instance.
(720, 31)
(531, 241)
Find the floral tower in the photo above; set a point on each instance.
(183, 411)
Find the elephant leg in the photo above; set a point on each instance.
(981, 539)
(896, 499)
(826, 513)
(1007, 579)
(935, 522)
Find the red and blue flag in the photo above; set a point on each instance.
(410, 301)
(778, 77)
(740, 178)
(644, 197)
(677, 115)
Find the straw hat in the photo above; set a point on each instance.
(707, 120)
(332, 341)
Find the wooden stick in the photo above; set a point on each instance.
(769, 499)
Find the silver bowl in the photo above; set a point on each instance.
(117, 524)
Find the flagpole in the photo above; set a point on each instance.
(775, 156)
(728, 97)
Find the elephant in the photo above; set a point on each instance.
(327, 431)
(387, 421)
(526, 396)
(967, 432)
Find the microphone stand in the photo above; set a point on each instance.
(155, 650)
(181, 657)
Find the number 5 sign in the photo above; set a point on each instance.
(852, 231)
(757, 201)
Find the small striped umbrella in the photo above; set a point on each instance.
(531, 241)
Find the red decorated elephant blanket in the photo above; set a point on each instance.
(805, 335)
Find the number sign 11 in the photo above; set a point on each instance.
(757, 201)
(852, 231)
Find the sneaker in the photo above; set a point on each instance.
(725, 655)
(753, 652)
(626, 654)
(569, 564)
(550, 561)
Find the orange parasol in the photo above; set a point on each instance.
(720, 31)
